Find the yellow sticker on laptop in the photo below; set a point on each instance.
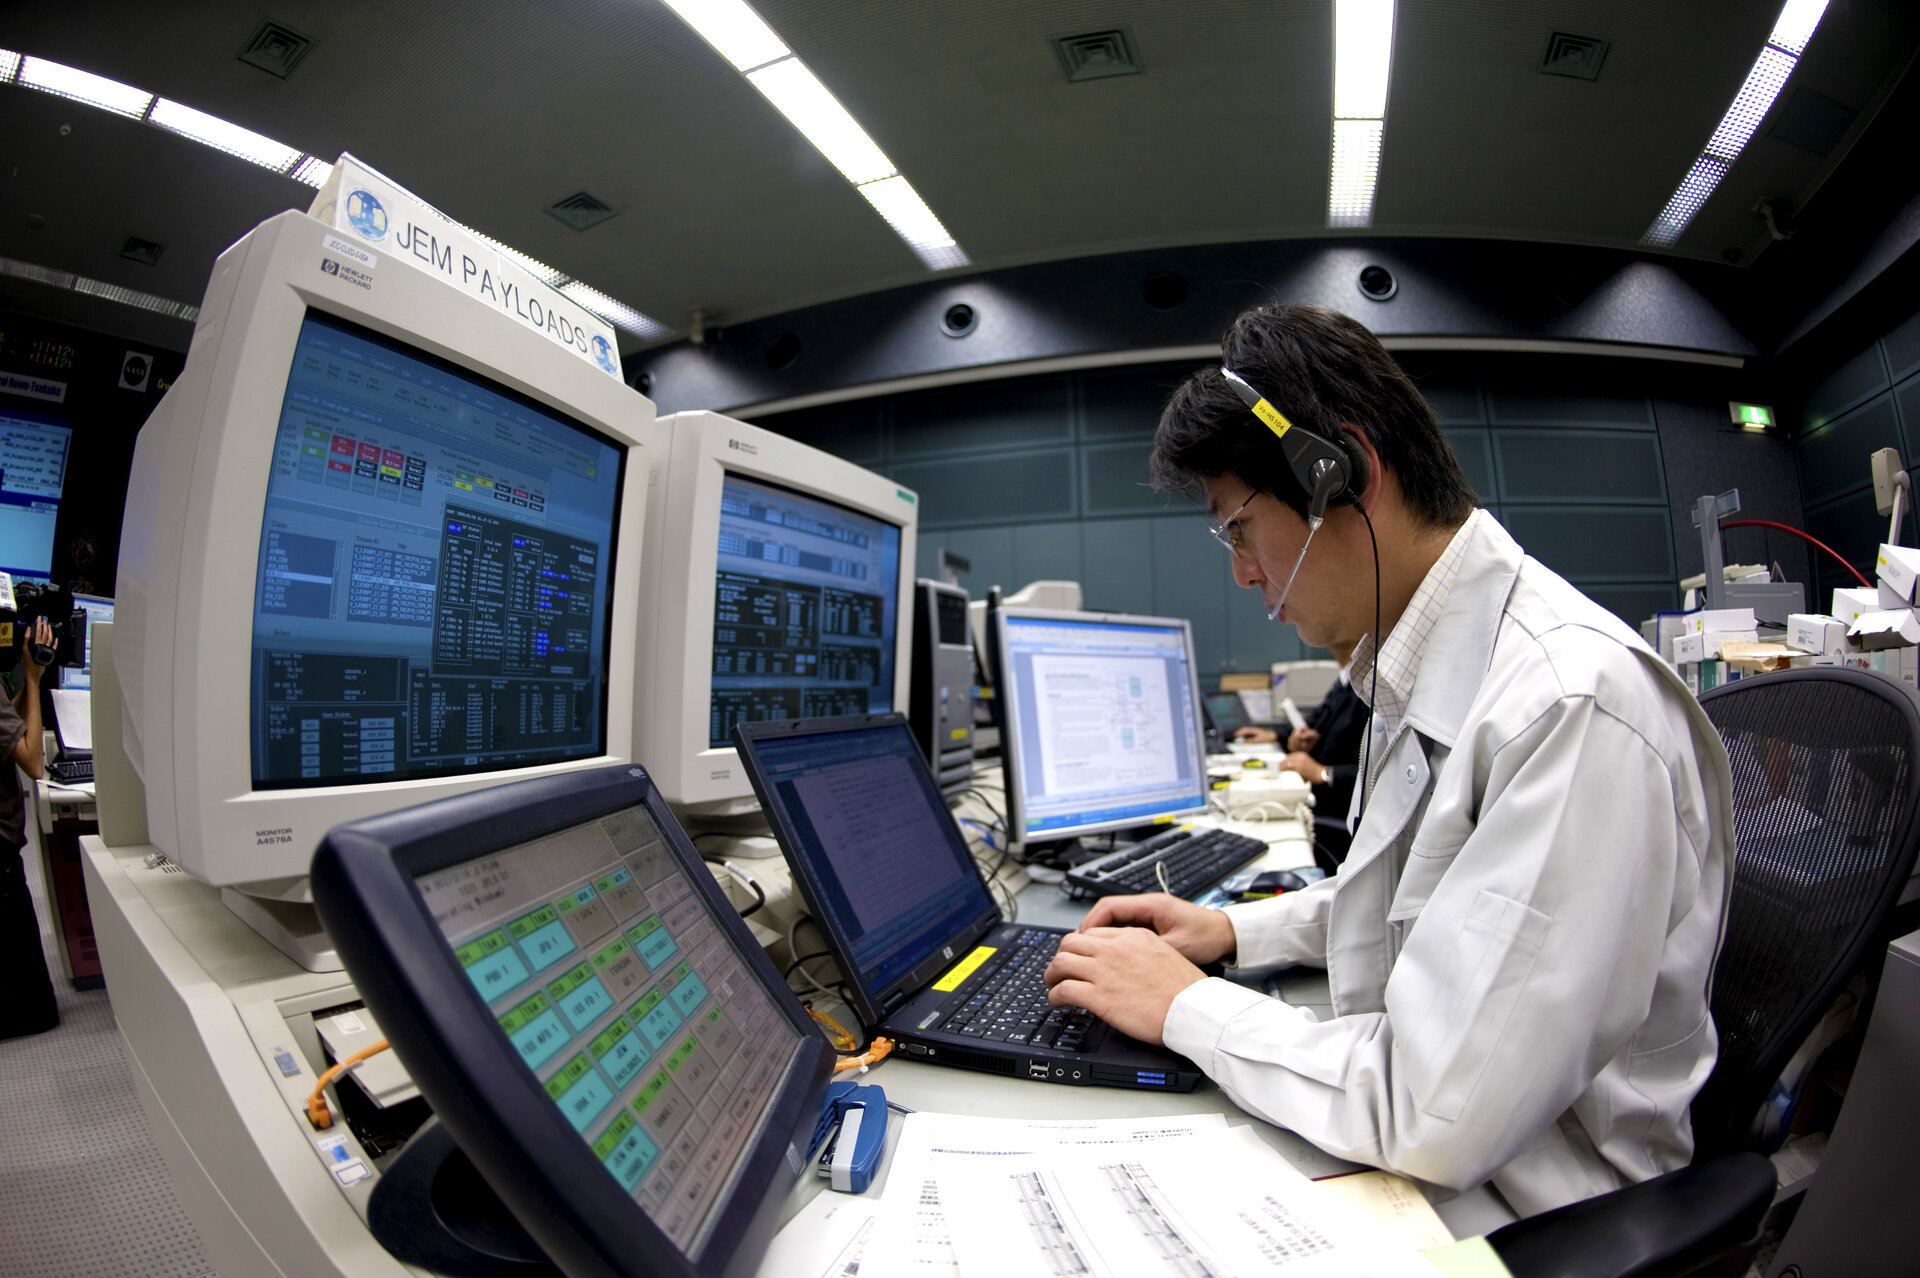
(963, 969)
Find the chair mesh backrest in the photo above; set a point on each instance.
(1824, 798)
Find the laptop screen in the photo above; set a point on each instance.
(888, 863)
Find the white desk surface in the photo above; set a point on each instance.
(947, 1090)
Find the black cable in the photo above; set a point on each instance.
(741, 876)
(1373, 698)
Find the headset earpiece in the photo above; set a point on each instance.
(1359, 473)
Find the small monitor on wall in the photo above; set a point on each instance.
(1101, 721)
(33, 473)
(779, 581)
(382, 545)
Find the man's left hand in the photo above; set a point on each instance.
(42, 635)
(1307, 766)
(1127, 976)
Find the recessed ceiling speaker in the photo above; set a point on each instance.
(1164, 292)
(644, 383)
(1377, 283)
(959, 319)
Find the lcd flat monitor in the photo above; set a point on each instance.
(33, 473)
(1101, 723)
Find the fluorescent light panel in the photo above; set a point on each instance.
(94, 288)
(1362, 58)
(740, 35)
(84, 86)
(314, 171)
(1362, 70)
(9, 65)
(212, 131)
(1791, 32)
(743, 38)
(613, 312)
(807, 104)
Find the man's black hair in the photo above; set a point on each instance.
(1321, 369)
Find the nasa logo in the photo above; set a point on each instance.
(366, 214)
(134, 370)
(603, 354)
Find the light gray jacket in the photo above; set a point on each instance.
(1520, 942)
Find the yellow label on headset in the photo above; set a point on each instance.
(1276, 423)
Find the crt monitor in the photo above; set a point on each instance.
(33, 471)
(588, 1017)
(1100, 721)
(382, 545)
(779, 581)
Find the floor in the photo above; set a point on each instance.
(83, 1192)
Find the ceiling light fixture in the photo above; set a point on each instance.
(94, 288)
(9, 65)
(613, 312)
(744, 39)
(84, 86)
(1778, 57)
(211, 130)
(1362, 70)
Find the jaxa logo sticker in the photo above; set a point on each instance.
(366, 214)
(603, 355)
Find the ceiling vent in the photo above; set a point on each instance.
(1099, 54)
(581, 210)
(145, 252)
(275, 49)
(1577, 56)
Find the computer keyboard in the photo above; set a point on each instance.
(71, 771)
(1191, 860)
(1010, 1004)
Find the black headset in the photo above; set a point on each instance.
(1329, 470)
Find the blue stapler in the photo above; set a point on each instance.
(850, 1135)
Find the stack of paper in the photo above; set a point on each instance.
(1184, 1197)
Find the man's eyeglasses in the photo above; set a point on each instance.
(1228, 531)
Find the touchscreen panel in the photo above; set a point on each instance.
(628, 1000)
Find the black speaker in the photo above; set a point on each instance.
(941, 704)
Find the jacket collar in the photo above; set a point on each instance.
(1460, 647)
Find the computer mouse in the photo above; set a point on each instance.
(1273, 883)
(1254, 763)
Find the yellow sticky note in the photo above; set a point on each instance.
(963, 969)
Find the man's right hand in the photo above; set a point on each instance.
(1199, 934)
(1302, 741)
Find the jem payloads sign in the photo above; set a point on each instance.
(360, 200)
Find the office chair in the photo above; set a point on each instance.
(1826, 799)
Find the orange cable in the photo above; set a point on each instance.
(317, 1112)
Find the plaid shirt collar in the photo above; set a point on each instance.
(1399, 658)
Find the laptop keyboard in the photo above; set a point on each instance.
(1192, 860)
(1010, 1004)
(71, 771)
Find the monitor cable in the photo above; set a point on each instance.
(317, 1112)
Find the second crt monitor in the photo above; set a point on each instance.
(1102, 725)
(779, 581)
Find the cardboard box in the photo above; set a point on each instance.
(1689, 649)
(1758, 658)
(1898, 568)
(1850, 601)
(1718, 640)
(1811, 632)
(1877, 631)
(1707, 621)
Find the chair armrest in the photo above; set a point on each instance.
(1660, 1227)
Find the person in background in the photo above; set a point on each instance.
(1327, 753)
(26, 991)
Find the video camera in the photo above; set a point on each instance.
(23, 603)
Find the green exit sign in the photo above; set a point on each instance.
(1752, 416)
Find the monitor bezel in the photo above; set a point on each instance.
(699, 450)
(365, 879)
(195, 511)
(1010, 745)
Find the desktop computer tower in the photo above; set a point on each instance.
(941, 703)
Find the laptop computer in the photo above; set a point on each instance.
(908, 916)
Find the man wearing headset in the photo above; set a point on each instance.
(1520, 941)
